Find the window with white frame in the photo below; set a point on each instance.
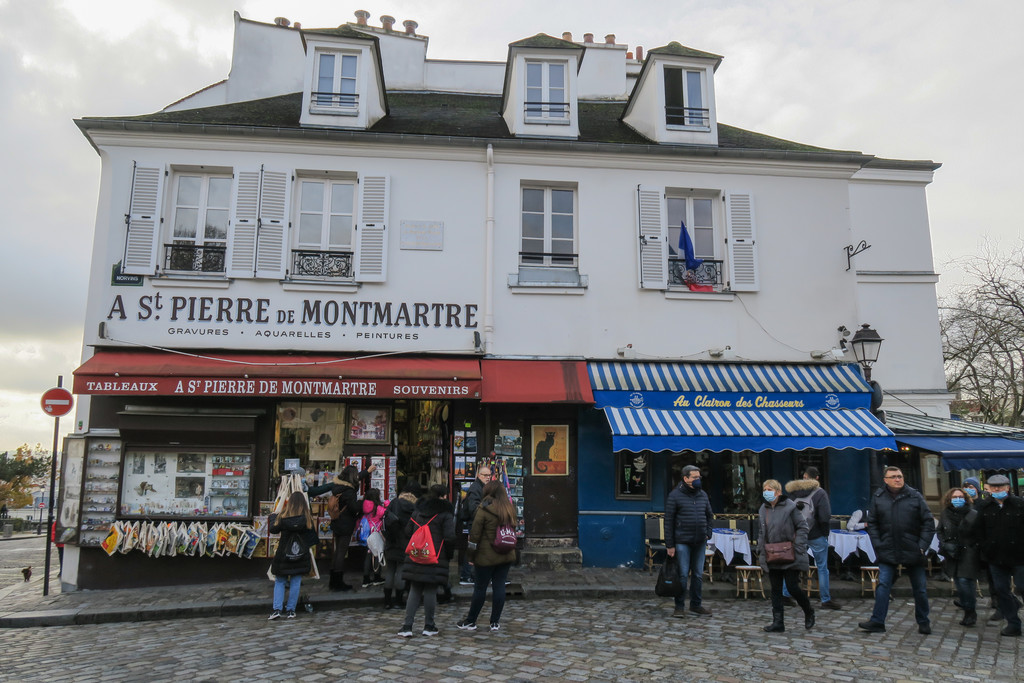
(323, 239)
(335, 82)
(699, 215)
(546, 92)
(199, 227)
(684, 98)
(548, 227)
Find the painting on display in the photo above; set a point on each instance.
(369, 425)
(550, 450)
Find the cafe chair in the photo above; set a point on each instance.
(654, 541)
(810, 581)
(746, 576)
(709, 563)
(868, 575)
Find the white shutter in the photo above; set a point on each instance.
(652, 247)
(242, 246)
(742, 243)
(272, 238)
(143, 221)
(371, 231)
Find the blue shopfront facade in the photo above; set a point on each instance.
(741, 423)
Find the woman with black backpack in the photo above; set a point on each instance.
(492, 552)
(293, 558)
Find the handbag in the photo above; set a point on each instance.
(669, 584)
(779, 553)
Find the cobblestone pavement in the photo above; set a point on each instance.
(541, 640)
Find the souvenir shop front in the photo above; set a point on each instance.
(173, 477)
(740, 423)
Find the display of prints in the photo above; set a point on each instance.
(459, 442)
(70, 490)
(470, 442)
(186, 484)
(460, 467)
(550, 450)
(470, 472)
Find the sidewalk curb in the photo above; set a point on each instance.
(336, 601)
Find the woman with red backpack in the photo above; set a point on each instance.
(430, 529)
(492, 543)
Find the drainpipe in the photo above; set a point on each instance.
(489, 256)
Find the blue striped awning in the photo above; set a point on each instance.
(721, 377)
(971, 452)
(739, 430)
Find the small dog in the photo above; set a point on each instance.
(27, 573)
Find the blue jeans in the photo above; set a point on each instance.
(966, 591)
(691, 561)
(495, 576)
(819, 547)
(886, 575)
(294, 582)
(1001, 574)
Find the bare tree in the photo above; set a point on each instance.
(983, 336)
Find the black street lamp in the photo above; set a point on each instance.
(866, 344)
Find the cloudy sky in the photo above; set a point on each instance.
(910, 79)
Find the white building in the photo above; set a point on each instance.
(494, 242)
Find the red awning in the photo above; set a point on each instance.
(535, 381)
(160, 373)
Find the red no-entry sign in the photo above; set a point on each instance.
(57, 402)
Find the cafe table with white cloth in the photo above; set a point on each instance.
(731, 541)
(846, 542)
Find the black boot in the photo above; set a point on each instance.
(970, 618)
(809, 617)
(387, 599)
(777, 625)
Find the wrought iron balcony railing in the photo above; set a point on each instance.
(708, 273)
(546, 258)
(547, 110)
(322, 264)
(335, 100)
(687, 116)
(195, 258)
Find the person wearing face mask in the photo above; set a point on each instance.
(779, 521)
(972, 487)
(999, 529)
(901, 528)
(687, 531)
(959, 552)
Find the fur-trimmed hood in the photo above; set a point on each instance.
(801, 488)
(429, 506)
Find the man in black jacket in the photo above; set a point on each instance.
(999, 530)
(687, 531)
(901, 528)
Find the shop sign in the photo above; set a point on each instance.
(665, 400)
(273, 387)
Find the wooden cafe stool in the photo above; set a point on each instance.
(746, 574)
(810, 581)
(868, 574)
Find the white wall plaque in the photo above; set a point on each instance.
(427, 235)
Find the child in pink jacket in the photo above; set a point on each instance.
(372, 520)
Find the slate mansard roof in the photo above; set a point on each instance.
(449, 118)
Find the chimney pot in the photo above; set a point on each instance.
(609, 39)
(281, 21)
(567, 35)
(387, 22)
(410, 27)
(297, 25)
(361, 17)
(629, 55)
(639, 54)
(588, 37)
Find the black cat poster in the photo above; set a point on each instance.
(550, 450)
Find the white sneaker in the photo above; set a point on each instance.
(406, 632)
(276, 614)
(430, 630)
(495, 627)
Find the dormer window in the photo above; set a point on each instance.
(684, 98)
(336, 80)
(546, 92)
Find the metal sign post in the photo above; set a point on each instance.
(55, 402)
